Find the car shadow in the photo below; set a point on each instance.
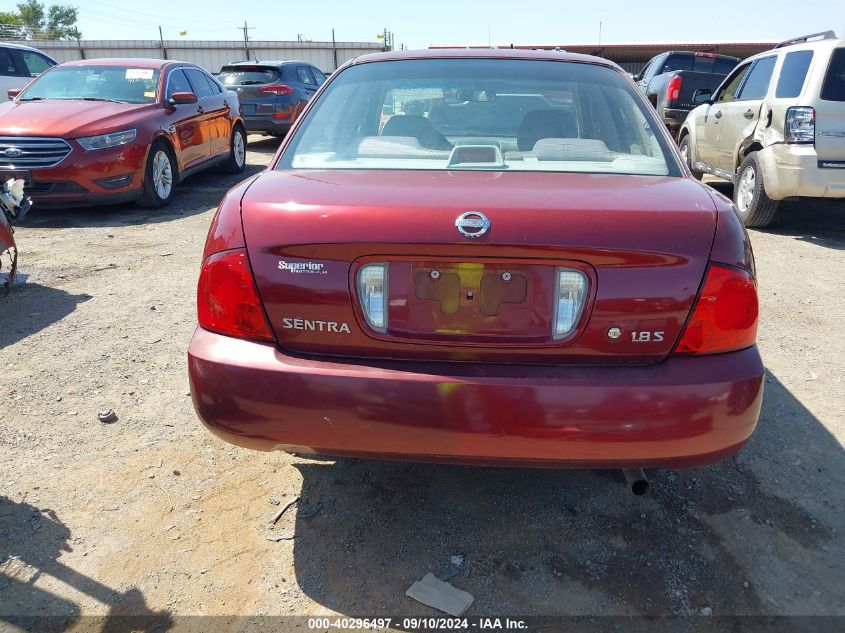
(744, 536)
(32, 541)
(195, 195)
(820, 222)
(265, 145)
(31, 307)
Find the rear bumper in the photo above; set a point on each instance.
(266, 123)
(674, 117)
(793, 170)
(682, 412)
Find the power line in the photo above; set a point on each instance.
(155, 16)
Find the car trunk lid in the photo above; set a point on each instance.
(641, 243)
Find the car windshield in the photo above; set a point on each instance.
(122, 84)
(492, 114)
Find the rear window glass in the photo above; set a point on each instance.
(678, 62)
(757, 84)
(491, 114)
(833, 88)
(241, 76)
(793, 73)
(699, 63)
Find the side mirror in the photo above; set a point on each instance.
(702, 95)
(182, 98)
(13, 92)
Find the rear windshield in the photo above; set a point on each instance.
(700, 63)
(123, 84)
(833, 88)
(492, 114)
(243, 76)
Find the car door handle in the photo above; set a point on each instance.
(200, 109)
(748, 114)
(718, 114)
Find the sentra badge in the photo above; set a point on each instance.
(290, 323)
(303, 268)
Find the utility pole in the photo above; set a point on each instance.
(246, 30)
(161, 39)
(599, 34)
(334, 50)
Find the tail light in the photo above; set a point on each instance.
(571, 295)
(276, 89)
(800, 125)
(372, 293)
(673, 88)
(724, 318)
(227, 301)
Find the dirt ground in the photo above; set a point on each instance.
(153, 516)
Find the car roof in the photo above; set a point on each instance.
(487, 53)
(21, 46)
(802, 46)
(136, 62)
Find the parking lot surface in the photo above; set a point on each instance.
(151, 515)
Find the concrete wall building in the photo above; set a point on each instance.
(209, 54)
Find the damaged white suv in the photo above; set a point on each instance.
(775, 127)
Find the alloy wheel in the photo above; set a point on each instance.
(239, 148)
(746, 185)
(162, 174)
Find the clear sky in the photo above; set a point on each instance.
(420, 23)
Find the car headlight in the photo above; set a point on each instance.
(104, 141)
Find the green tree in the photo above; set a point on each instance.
(61, 22)
(38, 21)
(32, 15)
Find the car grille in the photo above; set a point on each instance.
(22, 152)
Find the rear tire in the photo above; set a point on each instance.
(686, 154)
(237, 152)
(159, 177)
(754, 207)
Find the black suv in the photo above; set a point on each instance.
(272, 94)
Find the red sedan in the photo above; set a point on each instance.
(100, 131)
(513, 267)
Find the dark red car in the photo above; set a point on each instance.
(480, 256)
(99, 131)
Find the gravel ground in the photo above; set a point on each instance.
(153, 516)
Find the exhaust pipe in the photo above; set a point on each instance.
(636, 481)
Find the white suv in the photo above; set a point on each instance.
(19, 64)
(775, 127)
